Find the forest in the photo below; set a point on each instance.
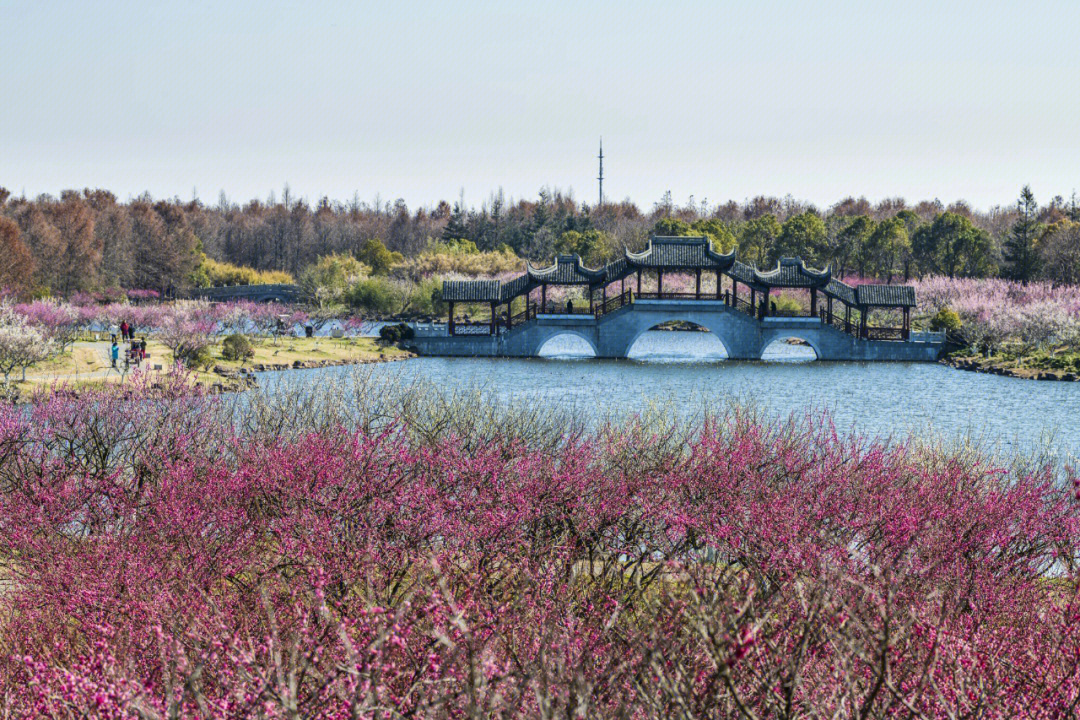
(89, 240)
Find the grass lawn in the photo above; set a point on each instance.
(85, 363)
(79, 359)
(289, 350)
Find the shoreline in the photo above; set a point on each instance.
(244, 377)
(991, 367)
(219, 376)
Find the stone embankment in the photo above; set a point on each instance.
(310, 364)
(991, 368)
(234, 379)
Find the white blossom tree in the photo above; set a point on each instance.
(21, 344)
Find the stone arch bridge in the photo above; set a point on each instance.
(613, 334)
(612, 316)
(254, 293)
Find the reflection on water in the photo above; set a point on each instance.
(681, 370)
(567, 347)
(673, 346)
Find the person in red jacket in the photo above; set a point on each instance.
(124, 330)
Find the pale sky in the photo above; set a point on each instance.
(953, 100)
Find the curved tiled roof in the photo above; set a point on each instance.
(471, 290)
(841, 291)
(617, 269)
(886, 295)
(567, 270)
(518, 286)
(793, 273)
(741, 272)
(680, 253)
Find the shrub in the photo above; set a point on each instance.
(189, 339)
(375, 296)
(439, 260)
(237, 347)
(787, 304)
(325, 281)
(211, 273)
(376, 256)
(396, 333)
(945, 319)
(197, 358)
(426, 297)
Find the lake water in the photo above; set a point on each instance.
(681, 370)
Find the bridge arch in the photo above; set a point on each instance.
(562, 333)
(707, 331)
(780, 336)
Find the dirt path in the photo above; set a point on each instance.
(72, 372)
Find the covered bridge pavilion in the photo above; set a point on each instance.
(678, 255)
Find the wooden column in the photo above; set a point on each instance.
(509, 313)
(828, 308)
(764, 305)
(813, 302)
(863, 327)
(603, 295)
(697, 285)
(451, 324)
(734, 293)
(638, 282)
(847, 318)
(591, 295)
(543, 298)
(717, 284)
(907, 323)
(493, 320)
(660, 282)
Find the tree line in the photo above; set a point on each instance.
(86, 240)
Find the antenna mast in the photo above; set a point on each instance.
(601, 178)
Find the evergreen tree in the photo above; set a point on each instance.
(850, 245)
(1074, 209)
(669, 226)
(802, 236)
(456, 228)
(757, 239)
(953, 246)
(1020, 251)
(886, 248)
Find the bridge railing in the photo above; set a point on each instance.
(578, 308)
(613, 304)
(838, 322)
(928, 336)
(883, 333)
(432, 329)
(785, 312)
(472, 327)
(672, 296)
(525, 315)
(742, 305)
